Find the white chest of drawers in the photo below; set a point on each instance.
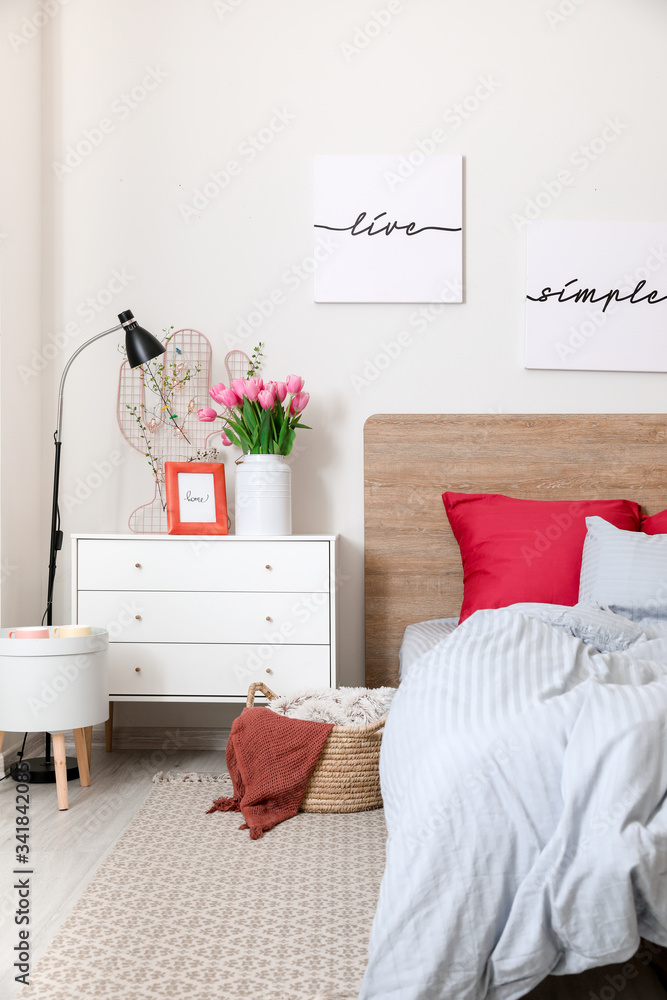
(198, 619)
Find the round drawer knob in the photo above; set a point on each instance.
(138, 565)
(267, 566)
(269, 670)
(138, 617)
(138, 669)
(268, 618)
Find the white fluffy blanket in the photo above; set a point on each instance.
(344, 706)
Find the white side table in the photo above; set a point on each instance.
(54, 685)
(197, 618)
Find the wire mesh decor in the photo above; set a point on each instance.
(237, 365)
(157, 414)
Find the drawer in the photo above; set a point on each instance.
(180, 670)
(222, 564)
(167, 616)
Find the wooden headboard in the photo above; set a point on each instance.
(412, 561)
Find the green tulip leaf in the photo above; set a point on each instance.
(289, 441)
(249, 417)
(233, 438)
(240, 432)
(265, 431)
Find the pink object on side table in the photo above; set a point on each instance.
(34, 632)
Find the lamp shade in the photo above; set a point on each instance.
(140, 345)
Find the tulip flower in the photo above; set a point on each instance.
(215, 392)
(266, 399)
(299, 403)
(229, 398)
(255, 413)
(280, 390)
(206, 413)
(252, 390)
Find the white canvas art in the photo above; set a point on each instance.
(597, 296)
(387, 230)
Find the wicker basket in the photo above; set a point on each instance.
(347, 775)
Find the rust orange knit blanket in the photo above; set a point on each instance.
(270, 759)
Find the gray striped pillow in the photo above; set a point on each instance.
(625, 571)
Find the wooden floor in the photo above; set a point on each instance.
(67, 847)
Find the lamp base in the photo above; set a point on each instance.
(43, 772)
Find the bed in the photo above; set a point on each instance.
(413, 575)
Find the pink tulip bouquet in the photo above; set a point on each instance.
(261, 419)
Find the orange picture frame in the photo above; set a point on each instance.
(196, 498)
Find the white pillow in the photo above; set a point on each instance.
(625, 571)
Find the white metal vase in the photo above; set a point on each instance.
(263, 493)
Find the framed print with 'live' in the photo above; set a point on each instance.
(196, 498)
(387, 229)
(597, 296)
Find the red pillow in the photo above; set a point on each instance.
(525, 550)
(656, 524)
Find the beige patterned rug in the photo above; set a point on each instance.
(187, 907)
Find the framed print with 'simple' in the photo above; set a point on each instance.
(196, 498)
(597, 296)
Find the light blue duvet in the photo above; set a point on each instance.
(524, 776)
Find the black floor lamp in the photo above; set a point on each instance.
(140, 346)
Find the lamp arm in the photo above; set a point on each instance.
(56, 534)
(67, 368)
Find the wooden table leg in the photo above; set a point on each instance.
(108, 729)
(89, 743)
(82, 756)
(60, 762)
(2, 740)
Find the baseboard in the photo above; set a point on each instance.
(165, 738)
(9, 750)
(169, 738)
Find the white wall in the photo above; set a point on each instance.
(219, 71)
(22, 474)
